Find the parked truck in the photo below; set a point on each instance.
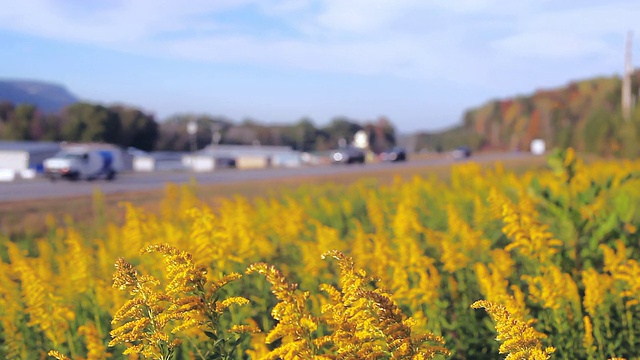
(84, 163)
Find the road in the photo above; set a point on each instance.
(41, 188)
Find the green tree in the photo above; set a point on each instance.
(341, 128)
(137, 129)
(19, 122)
(90, 123)
(50, 127)
(301, 135)
(382, 134)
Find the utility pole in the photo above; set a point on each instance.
(301, 139)
(626, 79)
(215, 134)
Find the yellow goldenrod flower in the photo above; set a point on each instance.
(125, 277)
(519, 340)
(530, 237)
(134, 230)
(495, 288)
(226, 303)
(95, 347)
(183, 275)
(145, 316)
(151, 318)
(295, 324)
(596, 288)
(625, 270)
(45, 308)
(587, 341)
(502, 262)
(553, 289)
(453, 257)
(76, 264)
(244, 329)
(405, 221)
(11, 310)
(368, 323)
(56, 354)
(376, 213)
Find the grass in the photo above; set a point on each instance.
(27, 219)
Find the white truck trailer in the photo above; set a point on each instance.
(84, 163)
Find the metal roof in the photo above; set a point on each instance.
(29, 146)
(244, 150)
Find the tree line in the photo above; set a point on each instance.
(80, 122)
(127, 126)
(585, 115)
(302, 135)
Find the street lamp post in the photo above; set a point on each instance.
(192, 129)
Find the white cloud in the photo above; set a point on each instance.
(491, 7)
(611, 18)
(361, 16)
(571, 33)
(550, 45)
(119, 22)
(363, 57)
(284, 7)
(344, 36)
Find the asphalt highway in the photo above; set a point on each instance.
(41, 188)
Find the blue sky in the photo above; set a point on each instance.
(420, 63)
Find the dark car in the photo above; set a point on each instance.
(461, 152)
(348, 155)
(393, 155)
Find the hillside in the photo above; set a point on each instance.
(47, 97)
(584, 114)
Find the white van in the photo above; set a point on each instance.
(82, 163)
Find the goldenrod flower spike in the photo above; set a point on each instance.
(519, 340)
(44, 308)
(145, 316)
(125, 276)
(528, 235)
(183, 274)
(587, 341)
(152, 318)
(295, 324)
(596, 288)
(95, 347)
(367, 324)
(56, 354)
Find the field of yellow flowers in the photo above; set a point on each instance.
(486, 265)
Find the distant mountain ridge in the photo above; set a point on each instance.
(48, 97)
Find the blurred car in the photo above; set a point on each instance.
(393, 155)
(348, 155)
(461, 152)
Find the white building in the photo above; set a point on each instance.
(242, 157)
(24, 158)
(157, 160)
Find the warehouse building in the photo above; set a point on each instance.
(242, 157)
(157, 161)
(23, 159)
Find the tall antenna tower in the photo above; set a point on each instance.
(626, 79)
